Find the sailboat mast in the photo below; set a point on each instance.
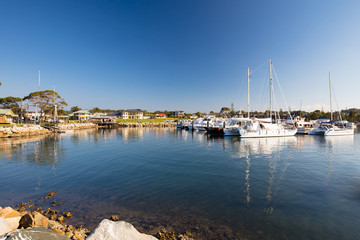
(331, 113)
(248, 76)
(271, 83)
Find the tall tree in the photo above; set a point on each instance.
(46, 100)
(11, 103)
(96, 110)
(75, 109)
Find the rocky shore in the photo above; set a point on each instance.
(24, 223)
(76, 126)
(29, 221)
(26, 130)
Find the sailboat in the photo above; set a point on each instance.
(256, 127)
(333, 128)
(339, 127)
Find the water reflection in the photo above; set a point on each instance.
(264, 184)
(43, 150)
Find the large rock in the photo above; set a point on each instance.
(41, 233)
(109, 230)
(8, 212)
(33, 219)
(8, 224)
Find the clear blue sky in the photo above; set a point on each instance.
(181, 55)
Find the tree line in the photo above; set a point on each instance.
(47, 99)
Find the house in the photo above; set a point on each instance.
(179, 114)
(6, 116)
(159, 115)
(81, 115)
(130, 114)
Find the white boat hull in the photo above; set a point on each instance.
(340, 132)
(266, 133)
(316, 131)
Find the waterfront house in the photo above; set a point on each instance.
(130, 114)
(6, 116)
(179, 114)
(159, 115)
(103, 119)
(81, 115)
(64, 118)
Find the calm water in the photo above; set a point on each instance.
(303, 187)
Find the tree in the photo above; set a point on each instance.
(11, 103)
(199, 114)
(46, 100)
(96, 110)
(75, 109)
(224, 109)
(232, 110)
(61, 112)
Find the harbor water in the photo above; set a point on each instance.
(301, 187)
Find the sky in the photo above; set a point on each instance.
(182, 54)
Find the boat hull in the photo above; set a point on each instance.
(341, 132)
(267, 133)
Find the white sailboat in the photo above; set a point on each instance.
(256, 128)
(331, 128)
(235, 124)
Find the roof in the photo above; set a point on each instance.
(83, 111)
(99, 114)
(132, 110)
(6, 112)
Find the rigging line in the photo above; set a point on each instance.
(257, 68)
(277, 80)
(338, 109)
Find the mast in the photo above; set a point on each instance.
(271, 86)
(331, 113)
(248, 77)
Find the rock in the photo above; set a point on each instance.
(8, 212)
(53, 225)
(109, 230)
(35, 234)
(34, 219)
(8, 224)
(40, 220)
(26, 221)
(114, 218)
(50, 195)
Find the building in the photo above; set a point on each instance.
(7, 116)
(81, 115)
(130, 114)
(159, 115)
(179, 114)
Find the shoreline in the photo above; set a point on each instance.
(28, 130)
(47, 214)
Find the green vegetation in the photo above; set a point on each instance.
(46, 100)
(75, 109)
